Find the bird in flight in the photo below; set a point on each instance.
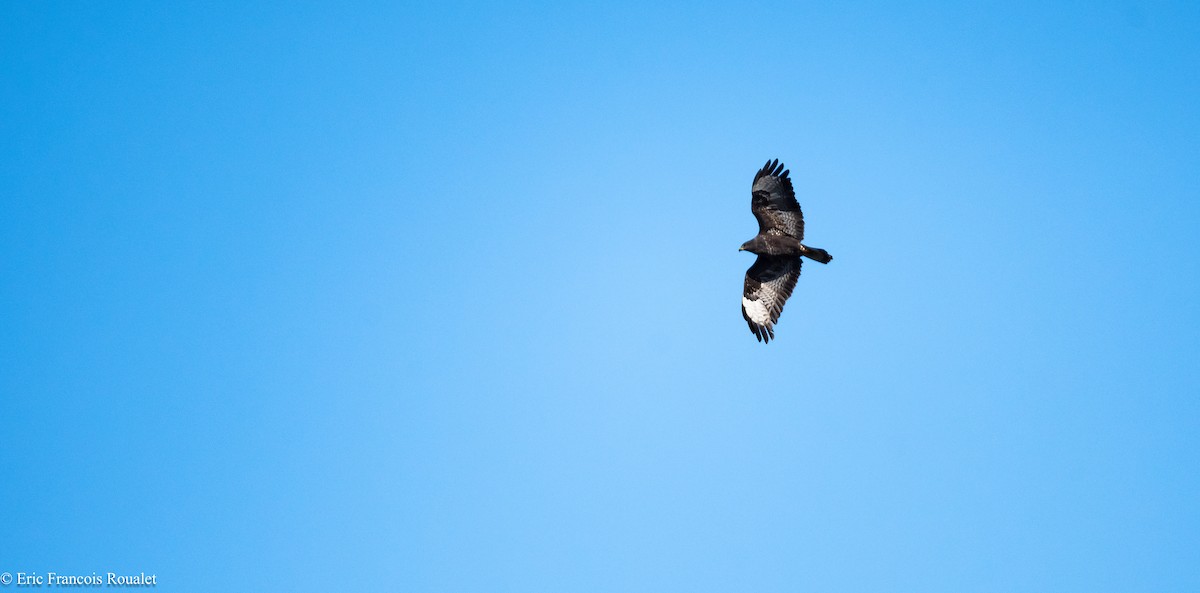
(769, 282)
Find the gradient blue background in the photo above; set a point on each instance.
(445, 297)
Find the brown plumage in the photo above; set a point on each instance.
(770, 281)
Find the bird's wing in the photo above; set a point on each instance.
(773, 202)
(769, 283)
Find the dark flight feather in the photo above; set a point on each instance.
(769, 283)
(773, 202)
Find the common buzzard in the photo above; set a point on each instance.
(769, 282)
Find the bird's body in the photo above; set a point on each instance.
(770, 281)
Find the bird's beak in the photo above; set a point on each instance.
(741, 248)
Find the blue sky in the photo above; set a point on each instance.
(445, 297)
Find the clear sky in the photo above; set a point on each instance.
(445, 297)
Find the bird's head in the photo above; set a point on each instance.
(746, 246)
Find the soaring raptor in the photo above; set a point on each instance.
(769, 282)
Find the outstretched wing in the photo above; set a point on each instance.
(773, 202)
(769, 283)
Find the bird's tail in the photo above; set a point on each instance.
(817, 254)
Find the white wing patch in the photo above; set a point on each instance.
(756, 311)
